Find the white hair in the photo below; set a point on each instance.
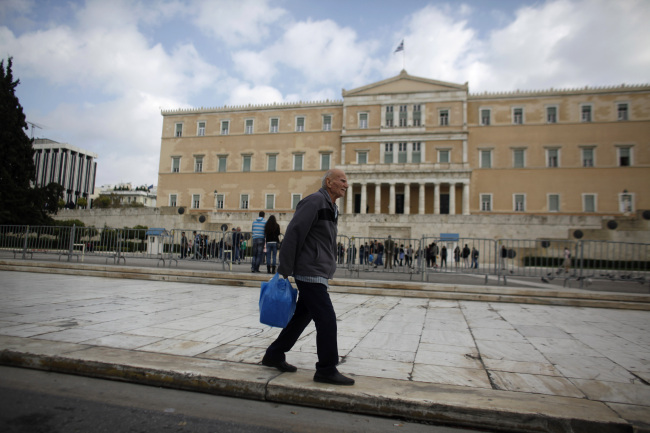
(327, 175)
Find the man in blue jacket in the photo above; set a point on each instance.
(309, 254)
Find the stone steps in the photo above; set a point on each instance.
(541, 296)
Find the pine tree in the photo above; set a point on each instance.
(19, 202)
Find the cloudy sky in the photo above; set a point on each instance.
(96, 73)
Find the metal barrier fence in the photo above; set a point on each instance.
(424, 258)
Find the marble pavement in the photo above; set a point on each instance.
(584, 354)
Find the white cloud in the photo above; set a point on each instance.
(237, 22)
(244, 94)
(561, 43)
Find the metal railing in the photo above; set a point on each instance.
(426, 258)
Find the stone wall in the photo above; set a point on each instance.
(631, 228)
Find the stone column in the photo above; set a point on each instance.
(452, 199)
(407, 198)
(391, 200)
(466, 198)
(364, 197)
(349, 208)
(436, 198)
(377, 198)
(421, 200)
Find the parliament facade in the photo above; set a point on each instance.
(412, 145)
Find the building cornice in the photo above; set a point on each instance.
(252, 107)
(587, 90)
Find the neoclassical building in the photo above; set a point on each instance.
(416, 146)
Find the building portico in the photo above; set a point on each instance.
(423, 190)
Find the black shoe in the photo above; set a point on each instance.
(333, 379)
(283, 366)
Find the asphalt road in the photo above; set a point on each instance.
(42, 402)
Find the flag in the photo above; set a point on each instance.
(400, 47)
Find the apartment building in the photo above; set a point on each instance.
(412, 145)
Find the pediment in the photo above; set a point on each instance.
(404, 83)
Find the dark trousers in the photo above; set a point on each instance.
(258, 254)
(313, 303)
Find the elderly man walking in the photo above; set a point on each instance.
(309, 254)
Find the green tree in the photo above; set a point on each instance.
(19, 202)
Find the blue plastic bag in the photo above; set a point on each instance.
(277, 302)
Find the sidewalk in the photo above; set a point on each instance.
(502, 366)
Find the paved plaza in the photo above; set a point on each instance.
(536, 354)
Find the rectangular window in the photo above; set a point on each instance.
(588, 157)
(200, 129)
(553, 202)
(327, 122)
(222, 163)
(624, 156)
(403, 115)
(622, 111)
(325, 161)
(389, 115)
(196, 201)
(363, 120)
(295, 199)
(518, 116)
(485, 116)
(219, 201)
(270, 201)
(586, 113)
(518, 158)
(589, 202)
(519, 202)
(551, 114)
(297, 162)
(246, 163)
(300, 124)
(486, 202)
(402, 153)
(176, 164)
(225, 127)
(274, 125)
(443, 155)
(626, 202)
(417, 115)
(552, 157)
(172, 199)
(179, 130)
(486, 159)
(443, 117)
(249, 126)
(388, 153)
(198, 164)
(243, 201)
(416, 155)
(271, 162)
(362, 157)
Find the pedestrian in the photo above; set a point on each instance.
(258, 242)
(197, 245)
(309, 254)
(401, 255)
(272, 237)
(443, 256)
(409, 256)
(474, 258)
(362, 252)
(504, 256)
(466, 253)
(184, 245)
(457, 255)
(567, 259)
(389, 249)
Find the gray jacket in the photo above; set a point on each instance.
(309, 244)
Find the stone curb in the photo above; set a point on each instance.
(441, 404)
